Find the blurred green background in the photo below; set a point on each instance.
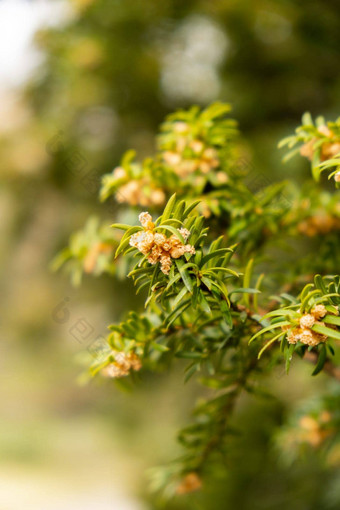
(102, 76)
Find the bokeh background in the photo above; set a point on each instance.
(82, 81)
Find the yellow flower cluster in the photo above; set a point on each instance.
(157, 247)
(91, 258)
(202, 157)
(319, 224)
(123, 364)
(190, 483)
(328, 149)
(303, 333)
(315, 431)
(137, 191)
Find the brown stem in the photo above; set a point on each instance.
(226, 411)
(240, 308)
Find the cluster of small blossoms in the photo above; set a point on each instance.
(190, 483)
(312, 429)
(157, 247)
(315, 430)
(304, 333)
(327, 151)
(137, 191)
(91, 258)
(319, 224)
(123, 364)
(190, 155)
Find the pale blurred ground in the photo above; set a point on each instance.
(51, 456)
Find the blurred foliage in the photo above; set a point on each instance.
(108, 78)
